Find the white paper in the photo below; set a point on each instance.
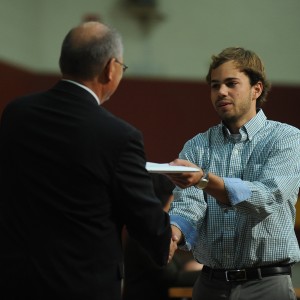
(166, 168)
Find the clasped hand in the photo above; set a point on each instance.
(173, 247)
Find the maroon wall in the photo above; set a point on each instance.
(168, 112)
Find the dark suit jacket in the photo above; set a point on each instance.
(71, 175)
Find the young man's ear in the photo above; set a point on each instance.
(257, 89)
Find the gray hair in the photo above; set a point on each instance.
(87, 58)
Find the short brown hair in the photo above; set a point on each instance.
(248, 62)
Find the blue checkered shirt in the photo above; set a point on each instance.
(261, 172)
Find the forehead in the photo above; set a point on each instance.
(226, 71)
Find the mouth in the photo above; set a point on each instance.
(222, 104)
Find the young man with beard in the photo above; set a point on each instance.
(237, 213)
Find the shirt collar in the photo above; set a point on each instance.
(255, 124)
(84, 87)
(251, 127)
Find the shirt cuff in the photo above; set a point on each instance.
(237, 190)
(188, 231)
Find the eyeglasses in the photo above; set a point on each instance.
(123, 65)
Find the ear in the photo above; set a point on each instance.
(109, 70)
(257, 90)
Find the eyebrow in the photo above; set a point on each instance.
(226, 79)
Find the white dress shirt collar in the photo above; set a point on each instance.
(86, 88)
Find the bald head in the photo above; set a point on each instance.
(87, 49)
(86, 32)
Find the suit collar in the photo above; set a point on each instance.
(75, 90)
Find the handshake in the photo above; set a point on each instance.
(175, 239)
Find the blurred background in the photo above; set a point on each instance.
(168, 46)
(163, 38)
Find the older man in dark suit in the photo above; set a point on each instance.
(71, 176)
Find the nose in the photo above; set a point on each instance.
(223, 90)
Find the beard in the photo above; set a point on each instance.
(239, 112)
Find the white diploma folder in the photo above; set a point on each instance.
(166, 168)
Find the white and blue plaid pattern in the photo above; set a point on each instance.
(261, 171)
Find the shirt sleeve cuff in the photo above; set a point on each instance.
(237, 190)
(188, 231)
